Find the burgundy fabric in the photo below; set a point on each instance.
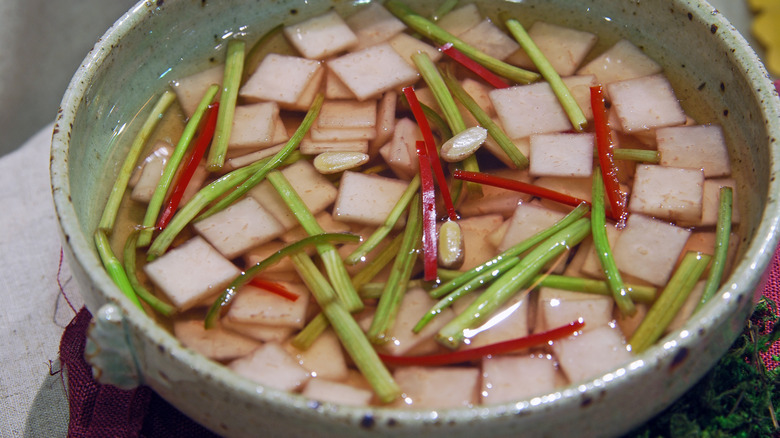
(104, 411)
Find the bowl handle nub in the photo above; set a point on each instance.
(108, 350)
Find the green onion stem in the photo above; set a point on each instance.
(431, 76)
(387, 226)
(429, 29)
(642, 155)
(274, 162)
(204, 197)
(569, 104)
(231, 82)
(129, 253)
(311, 332)
(114, 267)
(604, 251)
(670, 301)
(642, 294)
(120, 185)
(334, 266)
(226, 297)
(514, 251)
(388, 305)
(372, 268)
(722, 236)
(501, 290)
(373, 291)
(444, 9)
(518, 159)
(348, 331)
(158, 197)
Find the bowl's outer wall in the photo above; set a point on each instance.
(714, 76)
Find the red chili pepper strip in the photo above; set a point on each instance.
(617, 202)
(430, 144)
(489, 77)
(274, 288)
(201, 144)
(429, 215)
(509, 346)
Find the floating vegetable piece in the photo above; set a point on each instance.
(464, 144)
(335, 162)
(723, 233)
(617, 200)
(449, 50)
(234, 67)
(450, 246)
(429, 242)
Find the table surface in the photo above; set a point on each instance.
(35, 282)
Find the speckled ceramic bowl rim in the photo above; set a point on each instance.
(740, 285)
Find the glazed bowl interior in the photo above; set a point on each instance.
(715, 75)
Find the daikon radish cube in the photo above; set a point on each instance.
(342, 134)
(347, 114)
(321, 36)
(710, 203)
(258, 306)
(335, 88)
(667, 192)
(498, 234)
(414, 305)
(579, 87)
(271, 366)
(366, 199)
(694, 147)
(324, 358)
(400, 153)
(461, 19)
(262, 252)
(190, 90)
(280, 78)
(528, 220)
(215, 343)
(645, 103)
(560, 307)
(529, 109)
(509, 322)
(314, 190)
(150, 173)
(239, 161)
(191, 272)
(496, 200)
(491, 40)
(385, 122)
(591, 265)
(564, 47)
(685, 312)
(510, 378)
(620, 62)
(373, 70)
(325, 220)
(568, 155)
(437, 387)
(407, 45)
(308, 94)
(238, 228)
(480, 93)
(591, 353)
(337, 392)
(374, 24)
(648, 248)
(311, 147)
(260, 332)
(476, 248)
(254, 125)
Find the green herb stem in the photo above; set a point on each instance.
(501, 290)
(120, 185)
(670, 301)
(387, 226)
(311, 332)
(518, 159)
(431, 76)
(641, 294)
(390, 301)
(348, 331)
(114, 268)
(430, 30)
(373, 291)
(641, 155)
(274, 162)
(231, 82)
(334, 266)
(604, 251)
(514, 251)
(372, 268)
(149, 298)
(722, 236)
(569, 104)
(158, 197)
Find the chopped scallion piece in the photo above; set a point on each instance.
(114, 267)
(231, 82)
(722, 237)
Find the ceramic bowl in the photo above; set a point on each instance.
(716, 76)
